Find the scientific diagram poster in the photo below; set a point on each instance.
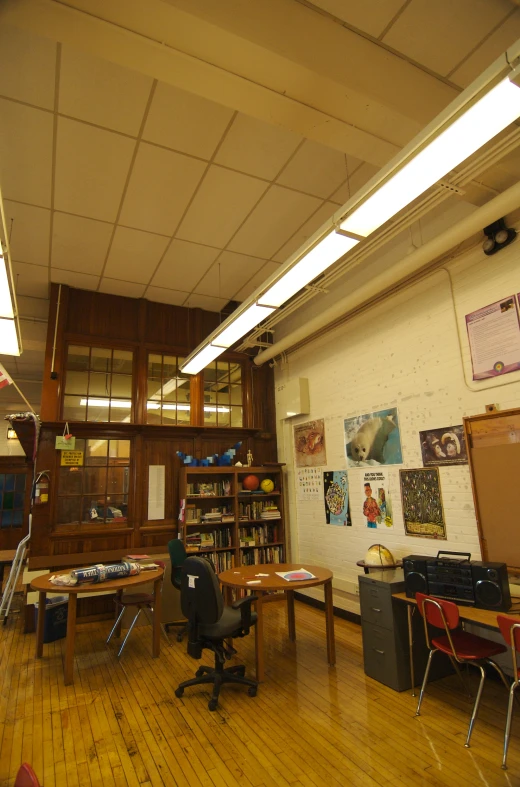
(309, 483)
(336, 497)
(377, 503)
(309, 444)
(422, 503)
(373, 439)
(445, 446)
(494, 338)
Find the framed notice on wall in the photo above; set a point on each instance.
(494, 338)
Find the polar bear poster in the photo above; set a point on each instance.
(373, 439)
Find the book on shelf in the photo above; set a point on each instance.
(209, 489)
(207, 541)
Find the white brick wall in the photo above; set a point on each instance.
(404, 352)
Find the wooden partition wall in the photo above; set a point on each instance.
(110, 321)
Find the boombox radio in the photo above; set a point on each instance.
(455, 577)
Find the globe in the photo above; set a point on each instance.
(266, 485)
(251, 482)
(378, 555)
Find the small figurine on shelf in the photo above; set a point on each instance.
(249, 458)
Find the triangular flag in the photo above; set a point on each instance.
(5, 378)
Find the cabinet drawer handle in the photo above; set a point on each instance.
(379, 651)
(374, 609)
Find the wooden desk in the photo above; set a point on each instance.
(481, 617)
(239, 577)
(44, 586)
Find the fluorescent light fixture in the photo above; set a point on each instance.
(11, 434)
(122, 405)
(202, 359)
(208, 408)
(9, 338)
(242, 325)
(482, 121)
(325, 253)
(6, 303)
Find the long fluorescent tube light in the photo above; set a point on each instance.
(482, 121)
(6, 303)
(319, 258)
(208, 408)
(201, 359)
(242, 325)
(9, 344)
(122, 405)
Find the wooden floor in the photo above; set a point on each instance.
(121, 724)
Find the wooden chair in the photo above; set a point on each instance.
(510, 629)
(26, 777)
(460, 646)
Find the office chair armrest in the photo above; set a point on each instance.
(244, 605)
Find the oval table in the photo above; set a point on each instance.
(44, 586)
(271, 588)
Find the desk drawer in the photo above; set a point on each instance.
(384, 660)
(376, 604)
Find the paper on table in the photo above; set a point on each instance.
(299, 574)
(261, 575)
(254, 582)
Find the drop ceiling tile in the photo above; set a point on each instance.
(488, 51)
(227, 275)
(359, 177)
(82, 281)
(160, 188)
(102, 92)
(186, 122)
(184, 263)
(27, 67)
(273, 221)
(256, 148)
(163, 295)
(79, 244)
(25, 153)
(259, 277)
(33, 307)
(28, 370)
(134, 255)
(31, 280)
(126, 288)
(29, 230)
(32, 358)
(438, 35)
(317, 169)
(370, 17)
(220, 206)
(305, 231)
(195, 301)
(34, 334)
(91, 169)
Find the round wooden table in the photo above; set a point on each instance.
(44, 586)
(270, 588)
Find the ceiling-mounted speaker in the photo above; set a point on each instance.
(497, 237)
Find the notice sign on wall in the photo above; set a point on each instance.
(156, 489)
(71, 459)
(494, 338)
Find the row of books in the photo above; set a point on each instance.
(256, 557)
(213, 540)
(196, 516)
(261, 509)
(253, 536)
(209, 489)
(223, 561)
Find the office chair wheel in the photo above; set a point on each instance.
(179, 692)
(212, 704)
(180, 637)
(252, 691)
(241, 671)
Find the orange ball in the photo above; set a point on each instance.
(251, 483)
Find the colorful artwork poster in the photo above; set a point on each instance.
(494, 339)
(335, 495)
(445, 446)
(373, 439)
(377, 503)
(309, 444)
(309, 483)
(422, 503)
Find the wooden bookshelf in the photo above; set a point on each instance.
(267, 532)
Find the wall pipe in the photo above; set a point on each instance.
(493, 210)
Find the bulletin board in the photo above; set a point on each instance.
(493, 441)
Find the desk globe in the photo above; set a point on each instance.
(378, 555)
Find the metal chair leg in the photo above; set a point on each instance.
(477, 703)
(150, 618)
(509, 719)
(132, 624)
(459, 673)
(425, 681)
(116, 625)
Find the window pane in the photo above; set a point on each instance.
(169, 414)
(153, 416)
(120, 451)
(96, 452)
(117, 480)
(2, 479)
(120, 410)
(8, 500)
(210, 415)
(210, 375)
(154, 389)
(69, 510)
(97, 412)
(73, 410)
(77, 383)
(154, 365)
(169, 371)
(223, 416)
(9, 482)
(7, 518)
(121, 386)
(19, 483)
(95, 480)
(122, 361)
(223, 396)
(236, 394)
(92, 509)
(183, 417)
(99, 386)
(183, 391)
(101, 359)
(17, 518)
(223, 370)
(71, 480)
(18, 500)
(117, 507)
(77, 358)
(236, 416)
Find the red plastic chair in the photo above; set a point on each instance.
(510, 629)
(460, 646)
(26, 777)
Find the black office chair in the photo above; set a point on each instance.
(210, 623)
(177, 552)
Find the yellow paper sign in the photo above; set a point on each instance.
(67, 443)
(71, 459)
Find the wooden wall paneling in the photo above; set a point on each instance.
(263, 404)
(98, 315)
(247, 394)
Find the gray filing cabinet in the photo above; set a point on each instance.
(384, 625)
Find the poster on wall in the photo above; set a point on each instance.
(373, 439)
(309, 483)
(445, 446)
(336, 497)
(494, 338)
(309, 444)
(377, 503)
(422, 503)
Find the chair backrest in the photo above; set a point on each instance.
(177, 552)
(26, 777)
(430, 608)
(201, 597)
(510, 628)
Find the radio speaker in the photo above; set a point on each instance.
(415, 575)
(491, 586)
